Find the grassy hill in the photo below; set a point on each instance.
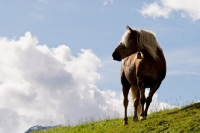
(180, 120)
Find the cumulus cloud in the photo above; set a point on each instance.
(163, 8)
(155, 10)
(39, 85)
(43, 86)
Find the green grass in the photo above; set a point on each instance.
(179, 120)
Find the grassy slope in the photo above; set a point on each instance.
(184, 120)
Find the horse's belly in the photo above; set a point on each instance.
(149, 78)
(148, 82)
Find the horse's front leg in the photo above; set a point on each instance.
(142, 98)
(125, 90)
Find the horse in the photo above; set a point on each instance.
(143, 66)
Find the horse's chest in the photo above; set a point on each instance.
(130, 73)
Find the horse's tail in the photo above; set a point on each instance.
(134, 91)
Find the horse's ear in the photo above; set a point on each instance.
(127, 27)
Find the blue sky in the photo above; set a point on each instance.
(66, 35)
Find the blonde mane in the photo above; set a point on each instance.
(147, 40)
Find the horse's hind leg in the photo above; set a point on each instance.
(125, 89)
(149, 98)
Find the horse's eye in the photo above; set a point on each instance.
(124, 47)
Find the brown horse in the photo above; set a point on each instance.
(144, 66)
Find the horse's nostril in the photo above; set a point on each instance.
(115, 54)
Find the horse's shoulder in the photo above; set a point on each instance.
(129, 60)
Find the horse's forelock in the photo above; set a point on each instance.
(124, 39)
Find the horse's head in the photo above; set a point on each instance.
(127, 45)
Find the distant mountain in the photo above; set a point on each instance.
(39, 128)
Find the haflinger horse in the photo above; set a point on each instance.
(144, 66)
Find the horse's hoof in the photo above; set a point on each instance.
(125, 123)
(142, 118)
(135, 119)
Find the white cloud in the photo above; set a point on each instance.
(107, 2)
(164, 8)
(41, 85)
(155, 10)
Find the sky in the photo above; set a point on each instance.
(56, 65)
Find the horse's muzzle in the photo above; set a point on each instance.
(116, 56)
